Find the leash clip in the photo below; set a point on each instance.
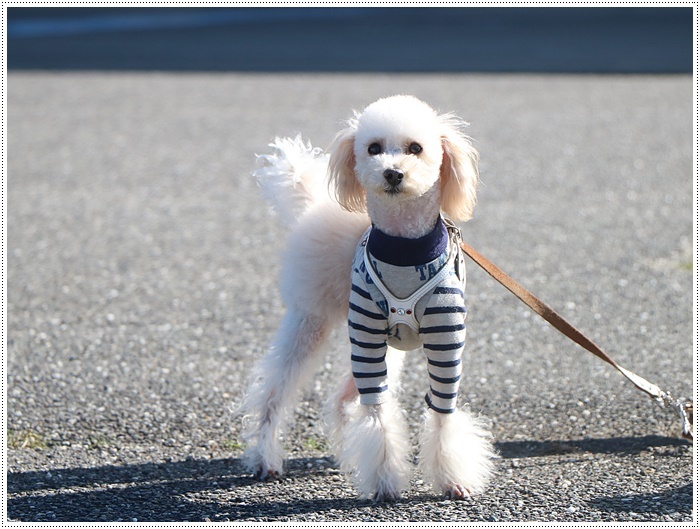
(683, 408)
(455, 231)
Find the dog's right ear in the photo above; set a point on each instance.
(341, 172)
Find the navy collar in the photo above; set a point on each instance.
(400, 251)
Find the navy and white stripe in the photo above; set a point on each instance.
(442, 333)
(368, 338)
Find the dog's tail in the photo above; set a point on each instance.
(292, 177)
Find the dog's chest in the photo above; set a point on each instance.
(402, 282)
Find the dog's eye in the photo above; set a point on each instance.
(415, 148)
(374, 149)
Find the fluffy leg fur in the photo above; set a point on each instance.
(456, 456)
(277, 379)
(375, 451)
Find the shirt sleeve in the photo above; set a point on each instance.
(443, 334)
(368, 330)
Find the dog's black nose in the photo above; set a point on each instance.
(393, 177)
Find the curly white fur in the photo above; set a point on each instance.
(371, 442)
(376, 450)
(292, 178)
(455, 450)
(276, 381)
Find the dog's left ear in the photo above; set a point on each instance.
(459, 172)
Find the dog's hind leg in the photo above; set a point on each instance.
(339, 409)
(289, 363)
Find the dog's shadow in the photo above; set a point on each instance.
(221, 490)
(182, 491)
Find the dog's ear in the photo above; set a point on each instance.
(341, 171)
(459, 172)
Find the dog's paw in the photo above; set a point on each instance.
(384, 496)
(455, 491)
(264, 473)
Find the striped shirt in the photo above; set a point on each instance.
(440, 315)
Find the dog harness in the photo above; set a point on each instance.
(403, 310)
(408, 302)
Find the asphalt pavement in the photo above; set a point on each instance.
(141, 287)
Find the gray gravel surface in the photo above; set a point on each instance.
(141, 288)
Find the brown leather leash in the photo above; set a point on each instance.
(683, 408)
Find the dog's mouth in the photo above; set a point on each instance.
(393, 190)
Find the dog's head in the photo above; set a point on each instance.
(399, 148)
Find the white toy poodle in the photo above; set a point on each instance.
(380, 255)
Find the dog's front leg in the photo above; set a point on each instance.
(375, 446)
(287, 366)
(375, 450)
(456, 455)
